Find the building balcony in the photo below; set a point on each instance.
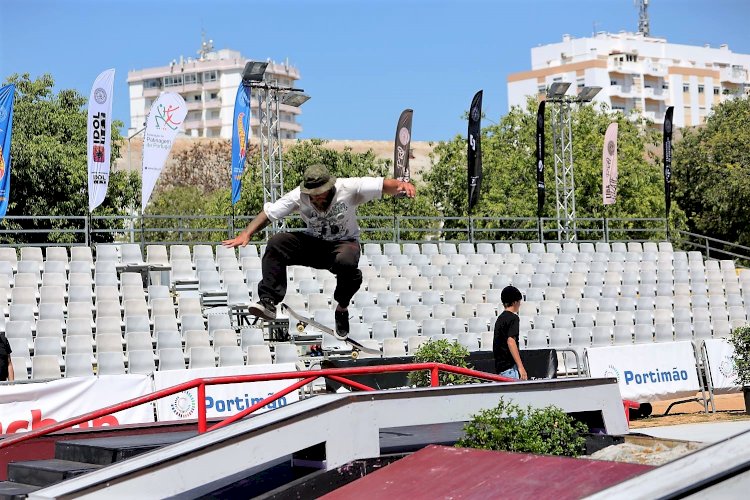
(211, 85)
(152, 92)
(628, 68)
(623, 91)
(212, 103)
(193, 123)
(213, 122)
(652, 93)
(294, 127)
(733, 75)
(191, 87)
(194, 105)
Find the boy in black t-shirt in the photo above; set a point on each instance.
(505, 343)
(6, 366)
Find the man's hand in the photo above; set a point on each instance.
(522, 373)
(406, 189)
(241, 240)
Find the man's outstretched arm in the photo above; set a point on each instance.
(258, 223)
(395, 187)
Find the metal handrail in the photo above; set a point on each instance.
(306, 376)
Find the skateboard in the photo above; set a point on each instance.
(303, 321)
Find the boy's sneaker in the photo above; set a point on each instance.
(264, 309)
(342, 324)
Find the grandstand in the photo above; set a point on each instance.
(71, 312)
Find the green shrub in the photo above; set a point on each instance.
(440, 351)
(508, 427)
(740, 340)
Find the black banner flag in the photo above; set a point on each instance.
(540, 159)
(474, 151)
(401, 147)
(668, 160)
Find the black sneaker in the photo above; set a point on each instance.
(264, 308)
(342, 324)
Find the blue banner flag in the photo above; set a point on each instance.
(6, 127)
(240, 129)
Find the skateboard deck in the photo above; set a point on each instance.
(303, 321)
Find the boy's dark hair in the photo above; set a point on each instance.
(509, 295)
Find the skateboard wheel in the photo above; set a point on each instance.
(300, 327)
(355, 354)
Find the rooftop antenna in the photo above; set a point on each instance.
(643, 24)
(206, 46)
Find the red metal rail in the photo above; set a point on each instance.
(301, 378)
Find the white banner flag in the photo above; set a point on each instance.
(163, 123)
(24, 407)
(221, 400)
(99, 124)
(609, 165)
(720, 354)
(648, 372)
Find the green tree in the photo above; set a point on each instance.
(49, 167)
(711, 173)
(509, 165)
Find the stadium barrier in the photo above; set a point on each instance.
(654, 372)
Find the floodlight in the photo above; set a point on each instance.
(253, 71)
(587, 94)
(557, 90)
(294, 99)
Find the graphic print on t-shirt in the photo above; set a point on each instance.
(330, 225)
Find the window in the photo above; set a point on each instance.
(613, 82)
(152, 84)
(665, 86)
(618, 107)
(716, 90)
(631, 58)
(541, 89)
(172, 81)
(685, 87)
(197, 97)
(210, 76)
(557, 79)
(580, 83)
(191, 78)
(701, 88)
(214, 95)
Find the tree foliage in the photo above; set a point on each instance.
(441, 351)
(509, 168)
(712, 173)
(49, 165)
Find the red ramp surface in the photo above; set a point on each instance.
(446, 472)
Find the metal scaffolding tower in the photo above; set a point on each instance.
(562, 133)
(270, 96)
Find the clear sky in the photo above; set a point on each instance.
(362, 62)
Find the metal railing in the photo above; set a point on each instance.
(302, 378)
(211, 229)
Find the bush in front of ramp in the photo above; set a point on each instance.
(441, 351)
(508, 427)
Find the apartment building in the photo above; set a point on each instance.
(637, 72)
(209, 86)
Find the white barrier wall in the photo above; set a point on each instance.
(24, 407)
(721, 369)
(221, 400)
(648, 372)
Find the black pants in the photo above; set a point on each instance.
(301, 249)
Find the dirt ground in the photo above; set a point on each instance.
(728, 407)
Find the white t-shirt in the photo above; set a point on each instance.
(339, 222)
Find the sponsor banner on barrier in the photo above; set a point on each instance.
(221, 400)
(648, 372)
(24, 407)
(720, 355)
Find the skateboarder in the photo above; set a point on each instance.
(331, 240)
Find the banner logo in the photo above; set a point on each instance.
(612, 371)
(475, 114)
(611, 148)
(100, 95)
(727, 367)
(241, 133)
(183, 405)
(166, 116)
(404, 136)
(2, 163)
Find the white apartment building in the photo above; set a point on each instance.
(209, 86)
(637, 72)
